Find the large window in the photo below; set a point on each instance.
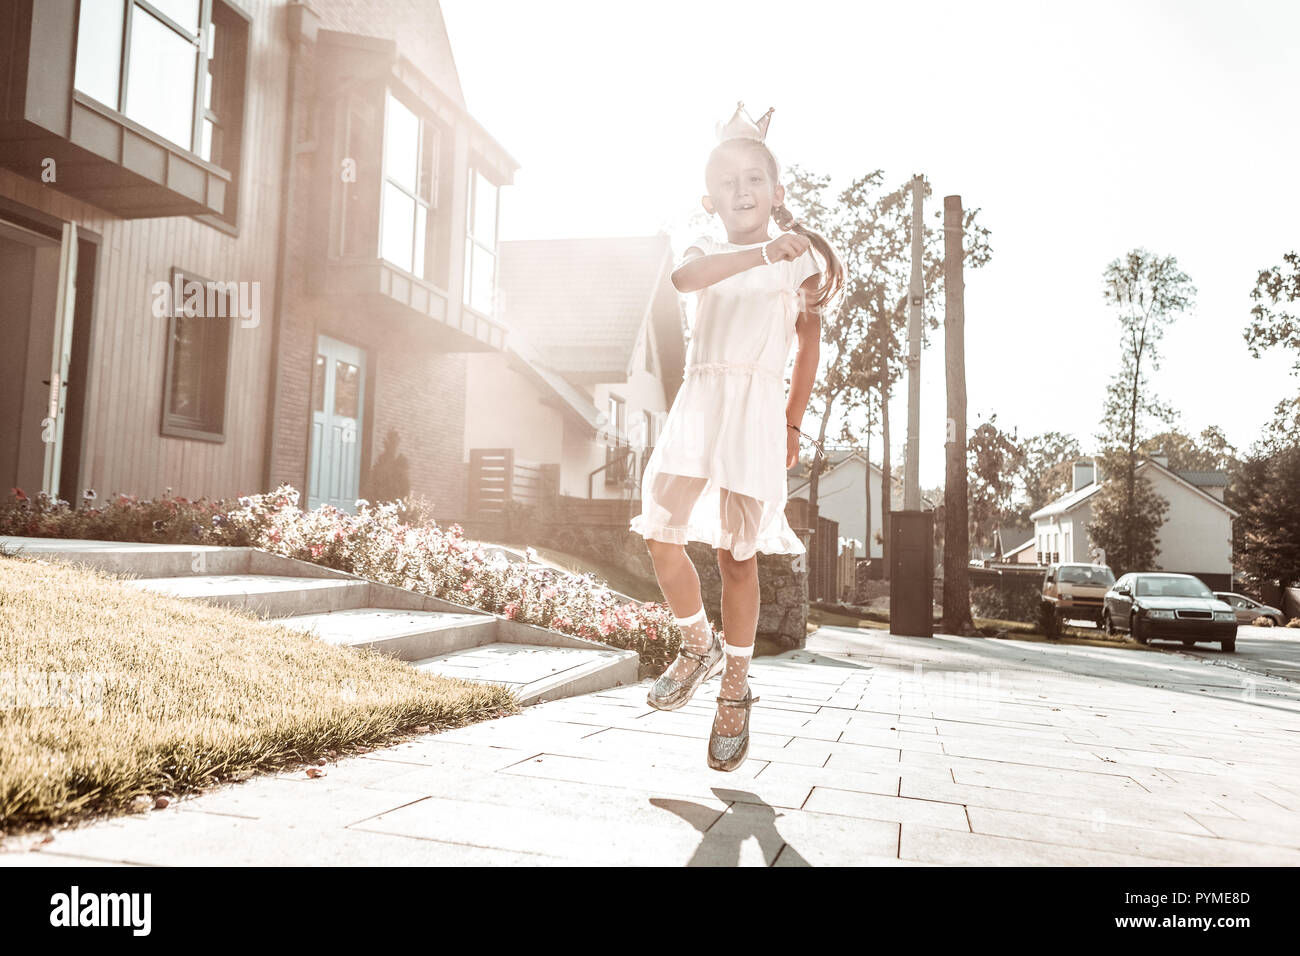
(481, 243)
(199, 330)
(411, 150)
(176, 67)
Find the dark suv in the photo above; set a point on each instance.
(1176, 607)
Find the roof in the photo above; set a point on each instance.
(1013, 538)
(1029, 543)
(801, 477)
(834, 458)
(1067, 502)
(1204, 479)
(1177, 477)
(584, 302)
(568, 396)
(442, 69)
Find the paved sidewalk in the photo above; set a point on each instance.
(868, 749)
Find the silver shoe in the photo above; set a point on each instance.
(668, 693)
(728, 753)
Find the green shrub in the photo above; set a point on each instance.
(377, 543)
(1006, 604)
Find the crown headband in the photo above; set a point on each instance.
(742, 125)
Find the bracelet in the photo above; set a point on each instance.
(763, 250)
(795, 427)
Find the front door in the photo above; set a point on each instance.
(338, 389)
(38, 276)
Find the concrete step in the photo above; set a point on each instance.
(406, 635)
(270, 595)
(537, 672)
(127, 557)
(435, 635)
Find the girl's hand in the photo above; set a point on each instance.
(791, 447)
(788, 246)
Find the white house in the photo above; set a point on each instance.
(842, 495)
(593, 357)
(1196, 537)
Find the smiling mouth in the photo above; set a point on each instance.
(743, 208)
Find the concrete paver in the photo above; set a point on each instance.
(868, 749)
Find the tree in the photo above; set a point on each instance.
(1271, 328)
(874, 228)
(1266, 534)
(870, 228)
(1210, 452)
(956, 568)
(994, 462)
(1147, 292)
(1126, 523)
(1046, 470)
(1284, 431)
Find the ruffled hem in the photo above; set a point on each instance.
(784, 541)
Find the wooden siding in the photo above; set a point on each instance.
(411, 383)
(123, 450)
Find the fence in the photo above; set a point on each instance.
(846, 567)
(497, 480)
(824, 575)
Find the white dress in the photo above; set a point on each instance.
(717, 472)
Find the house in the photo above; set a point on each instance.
(1024, 553)
(842, 494)
(595, 357)
(1009, 543)
(1196, 537)
(240, 240)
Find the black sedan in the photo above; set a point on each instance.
(1177, 607)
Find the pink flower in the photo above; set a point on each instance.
(511, 610)
(18, 493)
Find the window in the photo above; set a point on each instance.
(176, 67)
(481, 243)
(411, 150)
(199, 329)
(616, 448)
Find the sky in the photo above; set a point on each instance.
(1079, 131)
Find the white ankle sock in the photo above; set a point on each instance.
(684, 622)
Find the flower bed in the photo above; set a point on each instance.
(377, 544)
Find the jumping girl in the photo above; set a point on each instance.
(718, 472)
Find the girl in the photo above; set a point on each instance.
(717, 473)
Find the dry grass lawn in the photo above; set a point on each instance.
(108, 694)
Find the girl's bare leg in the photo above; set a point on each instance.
(681, 586)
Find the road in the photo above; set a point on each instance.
(1267, 651)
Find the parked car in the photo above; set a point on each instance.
(1248, 609)
(1178, 607)
(1073, 591)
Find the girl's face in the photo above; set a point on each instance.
(742, 191)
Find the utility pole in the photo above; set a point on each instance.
(916, 294)
(911, 531)
(956, 531)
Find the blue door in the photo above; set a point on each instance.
(338, 389)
